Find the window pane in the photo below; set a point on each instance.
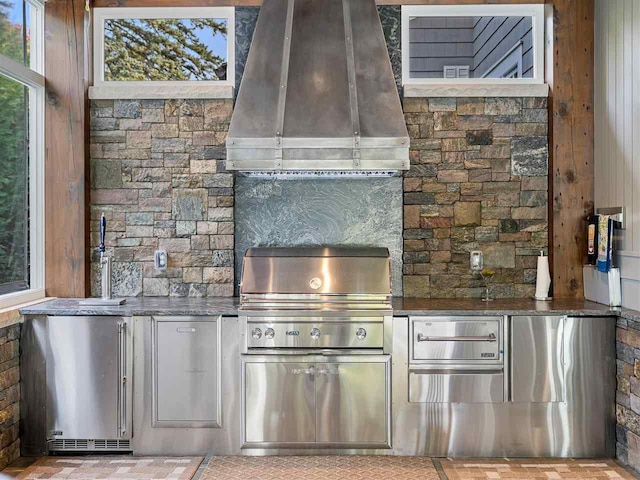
(14, 272)
(471, 47)
(14, 29)
(165, 49)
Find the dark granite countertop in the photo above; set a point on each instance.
(139, 306)
(515, 306)
(401, 306)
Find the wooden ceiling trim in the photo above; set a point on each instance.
(246, 3)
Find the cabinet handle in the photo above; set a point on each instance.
(488, 338)
(303, 371)
(328, 371)
(122, 387)
(186, 330)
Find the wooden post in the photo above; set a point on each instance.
(66, 262)
(571, 141)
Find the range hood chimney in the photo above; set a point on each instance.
(318, 93)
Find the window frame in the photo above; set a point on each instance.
(100, 15)
(32, 77)
(536, 11)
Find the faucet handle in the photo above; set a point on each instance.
(103, 231)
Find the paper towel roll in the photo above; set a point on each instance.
(543, 278)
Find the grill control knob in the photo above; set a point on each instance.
(256, 333)
(315, 333)
(269, 333)
(361, 333)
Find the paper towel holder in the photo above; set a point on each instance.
(617, 214)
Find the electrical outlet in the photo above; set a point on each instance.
(476, 261)
(160, 260)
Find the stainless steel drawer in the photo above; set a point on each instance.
(456, 386)
(457, 339)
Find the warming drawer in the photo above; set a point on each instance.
(456, 339)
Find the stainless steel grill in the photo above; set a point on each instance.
(317, 326)
(334, 278)
(319, 297)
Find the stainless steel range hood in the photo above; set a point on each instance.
(318, 92)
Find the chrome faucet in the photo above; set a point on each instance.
(105, 273)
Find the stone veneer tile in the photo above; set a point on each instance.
(355, 212)
(9, 394)
(478, 181)
(627, 394)
(161, 185)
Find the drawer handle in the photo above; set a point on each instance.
(454, 371)
(488, 338)
(185, 330)
(303, 371)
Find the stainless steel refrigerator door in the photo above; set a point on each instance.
(88, 378)
(279, 402)
(352, 402)
(537, 359)
(186, 372)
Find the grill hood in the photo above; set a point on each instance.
(318, 92)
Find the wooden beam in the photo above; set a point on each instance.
(245, 3)
(66, 68)
(572, 133)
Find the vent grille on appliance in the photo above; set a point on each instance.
(295, 174)
(89, 445)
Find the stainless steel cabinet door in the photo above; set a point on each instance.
(352, 403)
(88, 375)
(537, 363)
(279, 402)
(186, 372)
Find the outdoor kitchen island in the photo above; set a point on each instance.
(446, 399)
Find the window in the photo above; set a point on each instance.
(472, 44)
(21, 151)
(164, 46)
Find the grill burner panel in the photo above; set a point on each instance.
(349, 333)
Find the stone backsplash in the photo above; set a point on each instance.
(353, 212)
(9, 394)
(478, 181)
(157, 172)
(628, 393)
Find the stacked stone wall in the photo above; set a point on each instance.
(157, 172)
(478, 181)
